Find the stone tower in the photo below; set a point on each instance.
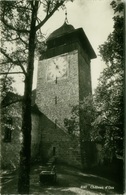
(64, 76)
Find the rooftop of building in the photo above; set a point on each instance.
(64, 29)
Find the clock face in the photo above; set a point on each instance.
(57, 68)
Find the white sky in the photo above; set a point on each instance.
(95, 17)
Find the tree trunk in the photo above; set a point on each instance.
(25, 153)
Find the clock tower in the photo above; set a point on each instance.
(64, 76)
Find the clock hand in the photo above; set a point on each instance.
(55, 64)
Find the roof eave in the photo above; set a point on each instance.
(84, 39)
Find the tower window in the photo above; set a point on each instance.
(55, 99)
(54, 151)
(8, 130)
(7, 135)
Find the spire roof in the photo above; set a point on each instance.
(64, 29)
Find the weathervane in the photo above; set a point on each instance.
(66, 20)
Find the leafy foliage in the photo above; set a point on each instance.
(83, 114)
(108, 126)
(80, 125)
(103, 113)
(72, 124)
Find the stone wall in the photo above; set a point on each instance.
(10, 150)
(66, 90)
(67, 149)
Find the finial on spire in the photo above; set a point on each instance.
(66, 20)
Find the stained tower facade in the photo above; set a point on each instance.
(64, 75)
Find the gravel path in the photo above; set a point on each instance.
(70, 181)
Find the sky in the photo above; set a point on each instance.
(95, 17)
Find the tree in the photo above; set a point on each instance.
(21, 27)
(80, 125)
(87, 111)
(103, 113)
(108, 126)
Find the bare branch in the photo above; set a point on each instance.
(6, 73)
(25, 8)
(9, 40)
(4, 105)
(48, 7)
(38, 20)
(6, 76)
(19, 63)
(48, 15)
(23, 41)
(4, 62)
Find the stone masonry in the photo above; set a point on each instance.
(66, 90)
(55, 99)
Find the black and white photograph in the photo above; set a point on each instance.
(62, 65)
